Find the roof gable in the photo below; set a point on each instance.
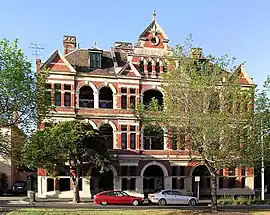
(154, 27)
(243, 76)
(129, 70)
(58, 62)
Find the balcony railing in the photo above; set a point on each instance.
(106, 104)
(86, 103)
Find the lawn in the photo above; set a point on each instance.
(124, 212)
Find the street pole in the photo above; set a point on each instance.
(262, 170)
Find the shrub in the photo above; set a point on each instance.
(3, 182)
(240, 200)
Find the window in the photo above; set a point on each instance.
(132, 170)
(182, 170)
(133, 141)
(231, 172)
(64, 184)
(50, 184)
(243, 182)
(243, 171)
(67, 99)
(124, 102)
(124, 184)
(124, 98)
(132, 137)
(174, 183)
(221, 182)
(124, 140)
(132, 128)
(95, 60)
(57, 99)
(149, 67)
(231, 182)
(174, 170)
(124, 170)
(165, 68)
(48, 98)
(124, 137)
(182, 183)
(123, 90)
(57, 87)
(132, 183)
(132, 101)
(67, 87)
(221, 172)
(157, 68)
(48, 86)
(141, 66)
(132, 91)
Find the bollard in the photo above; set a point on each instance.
(31, 197)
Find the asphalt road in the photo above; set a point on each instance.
(127, 207)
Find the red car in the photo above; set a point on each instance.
(116, 197)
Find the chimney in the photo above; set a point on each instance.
(38, 65)
(69, 43)
(196, 53)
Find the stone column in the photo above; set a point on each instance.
(167, 182)
(117, 183)
(96, 99)
(42, 186)
(139, 184)
(86, 187)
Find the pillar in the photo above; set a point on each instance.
(139, 184)
(167, 182)
(42, 186)
(117, 183)
(96, 99)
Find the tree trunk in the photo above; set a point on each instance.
(214, 192)
(75, 181)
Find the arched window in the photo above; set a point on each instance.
(141, 66)
(157, 68)
(149, 67)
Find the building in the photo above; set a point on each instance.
(99, 87)
(12, 139)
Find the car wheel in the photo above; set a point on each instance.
(104, 203)
(162, 202)
(135, 202)
(192, 202)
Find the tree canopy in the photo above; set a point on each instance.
(204, 99)
(18, 92)
(69, 143)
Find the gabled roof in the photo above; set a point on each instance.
(154, 26)
(54, 55)
(130, 66)
(243, 76)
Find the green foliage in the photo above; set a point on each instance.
(19, 91)
(69, 142)
(3, 182)
(240, 200)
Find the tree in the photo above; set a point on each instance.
(69, 142)
(18, 92)
(203, 98)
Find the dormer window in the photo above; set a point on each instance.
(95, 57)
(95, 60)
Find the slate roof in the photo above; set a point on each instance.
(79, 59)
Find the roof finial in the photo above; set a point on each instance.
(154, 15)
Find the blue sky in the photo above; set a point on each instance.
(240, 28)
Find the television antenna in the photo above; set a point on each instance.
(37, 47)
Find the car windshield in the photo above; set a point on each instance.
(19, 184)
(124, 194)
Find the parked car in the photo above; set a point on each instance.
(116, 197)
(165, 197)
(19, 187)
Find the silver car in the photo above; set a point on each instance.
(165, 197)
